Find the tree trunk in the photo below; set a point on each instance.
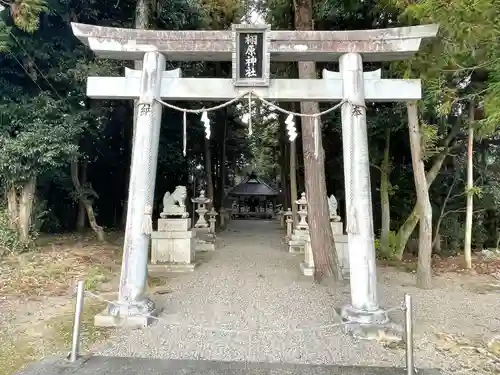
(286, 168)
(12, 207)
(82, 214)
(406, 230)
(83, 198)
(324, 252)
(215, 177)
(436, 242)
(470, 191)
(142, 21)
(384, 196)
(222, 169)
(26, 204)
(208, 172)
(293, 176)
(424, 269)
(284, 163)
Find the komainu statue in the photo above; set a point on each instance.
(333, 205)
(175, 204)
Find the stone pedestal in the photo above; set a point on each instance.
(302, 243)
(298, 241)
(301, 233)
(288, 219)
(172, 247)
(343, 253)
(204, 240)
(205, 237)
(174, 225)
(341, 246)
(307, 266)
(302, 212)
(212, 218)
(337, 227)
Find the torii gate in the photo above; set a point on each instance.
(251, 73)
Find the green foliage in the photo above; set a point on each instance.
(264, 145)
(430, 139)
(4, 36)
(36, 136)
(26, 14)
(43, 219)
(391, 251)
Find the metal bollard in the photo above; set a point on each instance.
(75, 345)
(410, 363)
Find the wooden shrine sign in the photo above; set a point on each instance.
(250, 57)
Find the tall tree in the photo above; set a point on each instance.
(424, 272)
(324, 252)
(385, 171)
(469, 189)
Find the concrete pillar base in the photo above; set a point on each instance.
(138, 314)
(350, 314)
(371, 325)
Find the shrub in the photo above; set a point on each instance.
(10, 242)
(391, 251)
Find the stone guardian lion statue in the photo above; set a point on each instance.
(175, 204)
(332, 205)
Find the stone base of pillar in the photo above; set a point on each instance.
(370, 325)
(350, 314)
(130, 316)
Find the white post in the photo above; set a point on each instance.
(132, 300)
(364, 307)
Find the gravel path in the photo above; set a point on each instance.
(251, 285)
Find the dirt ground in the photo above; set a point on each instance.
(36, 298)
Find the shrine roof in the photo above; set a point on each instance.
(209, 45)
(252, 186)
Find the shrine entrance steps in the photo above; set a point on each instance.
(247, 303)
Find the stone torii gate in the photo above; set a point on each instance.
(250, 48)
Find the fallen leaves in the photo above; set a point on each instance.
(53, 270)
(481, 356)
(480, 265)
(441, 265)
